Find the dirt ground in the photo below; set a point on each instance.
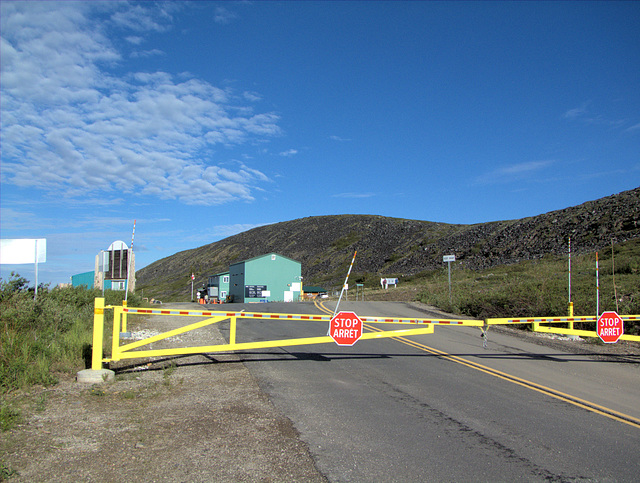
(191, 419)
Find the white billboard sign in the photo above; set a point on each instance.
(449, 258)
(23, 250)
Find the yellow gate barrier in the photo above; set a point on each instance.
(536, 325)
(127, 351)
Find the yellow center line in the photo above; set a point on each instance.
(576, 401)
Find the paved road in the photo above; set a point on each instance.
(384, 410)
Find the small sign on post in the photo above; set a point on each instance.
(448, 259)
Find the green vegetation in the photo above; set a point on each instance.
(9, 416)
(346, 241)
(39, 339)
(47, 336)
(540, 288)
(6, 472)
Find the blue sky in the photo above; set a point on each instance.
(201, 120)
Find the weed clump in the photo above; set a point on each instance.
(539, 288)
(45, 335)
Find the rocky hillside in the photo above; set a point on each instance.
(399, 247)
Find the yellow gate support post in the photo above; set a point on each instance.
(119, 317)
(571, 315)
(98, 332)
(96, 374)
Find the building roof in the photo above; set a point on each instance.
(265, 255)
(313, 289)
(220, 274)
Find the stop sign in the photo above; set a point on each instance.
(345, 328)
(610, 327)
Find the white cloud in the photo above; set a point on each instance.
(223, 15)
(289, 152)
(140, 18)
(17, 220)
(584, 115)
(513, 172)
(252, 96)
(134, 39)
(146, 53)
(73, 128)
(338, 138)
(219, 232)
(576, 112)
(353, 195)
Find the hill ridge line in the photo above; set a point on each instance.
(390, 246)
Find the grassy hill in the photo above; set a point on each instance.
(403, 248)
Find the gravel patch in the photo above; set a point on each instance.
(192, 419)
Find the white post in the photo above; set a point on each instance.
(449, 259)
(449, 264)
(129, 256)
(597, 288)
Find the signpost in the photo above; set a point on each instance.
(24, 250)
(345, 328)
(610, 327)
(129, 258)
(448, 259)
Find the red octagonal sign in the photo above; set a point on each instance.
(346, 328)
(610, 327)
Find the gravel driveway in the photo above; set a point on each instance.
(192, 419)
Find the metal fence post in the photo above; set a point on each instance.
(98, 330)
(96, 374)
(118, 315)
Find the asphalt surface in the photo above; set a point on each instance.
(441, 407)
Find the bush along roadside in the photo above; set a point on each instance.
(46, 336)
(540, 288)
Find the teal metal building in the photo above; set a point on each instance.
(86, 279)
(219, 286)
(267, 278)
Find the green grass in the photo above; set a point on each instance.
(9, 416)
(540, 288)
(346, 241)
(6, 472)
(42, 338)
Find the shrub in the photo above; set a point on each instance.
(42, 337)
(539, 289)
